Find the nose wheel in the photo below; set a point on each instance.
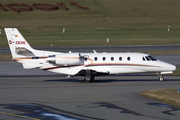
(160, 76)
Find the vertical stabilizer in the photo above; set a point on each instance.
(18, 45)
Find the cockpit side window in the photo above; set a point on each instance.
(143, 59)
(150, 58)
(147, 58)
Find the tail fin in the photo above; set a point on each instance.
(22, 52)
(18, 45)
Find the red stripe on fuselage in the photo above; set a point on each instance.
(104, 64)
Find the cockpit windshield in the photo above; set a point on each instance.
(151, 58)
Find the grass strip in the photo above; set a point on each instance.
(177, 72)
(162, 52)
(168, 96)
(124, 23)
(4, 57)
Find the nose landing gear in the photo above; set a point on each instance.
(160, 76)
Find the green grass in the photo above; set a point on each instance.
(124, 22)
(4, 57)
(161, 52)
(177, 72)
(168, 96)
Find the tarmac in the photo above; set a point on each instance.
(33, 94)
(54, 97)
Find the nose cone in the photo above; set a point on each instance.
(167, 66)
(172, 67)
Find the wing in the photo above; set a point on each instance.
(93, 72)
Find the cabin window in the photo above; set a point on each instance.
(85, 59)
(112, 58)
(128, 58)
(95, 58)
(104, 58)
(120, 58)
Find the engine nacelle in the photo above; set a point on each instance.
(66, 59)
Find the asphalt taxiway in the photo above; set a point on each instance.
(39, 95)
(53, 97)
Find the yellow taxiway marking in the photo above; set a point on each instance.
(18, 116)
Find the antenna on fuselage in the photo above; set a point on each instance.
(94, 51)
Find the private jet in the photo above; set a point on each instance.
(88, 65)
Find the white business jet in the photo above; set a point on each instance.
(88, 65)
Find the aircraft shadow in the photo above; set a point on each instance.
(103, 79)
(110, 80)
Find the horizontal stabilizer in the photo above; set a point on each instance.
(24, 51)
(32, 64)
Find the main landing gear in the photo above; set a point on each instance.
(89, 78)
(160, 76)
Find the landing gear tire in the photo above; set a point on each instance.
(161, 79)
(86, 79)
(160, 76)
